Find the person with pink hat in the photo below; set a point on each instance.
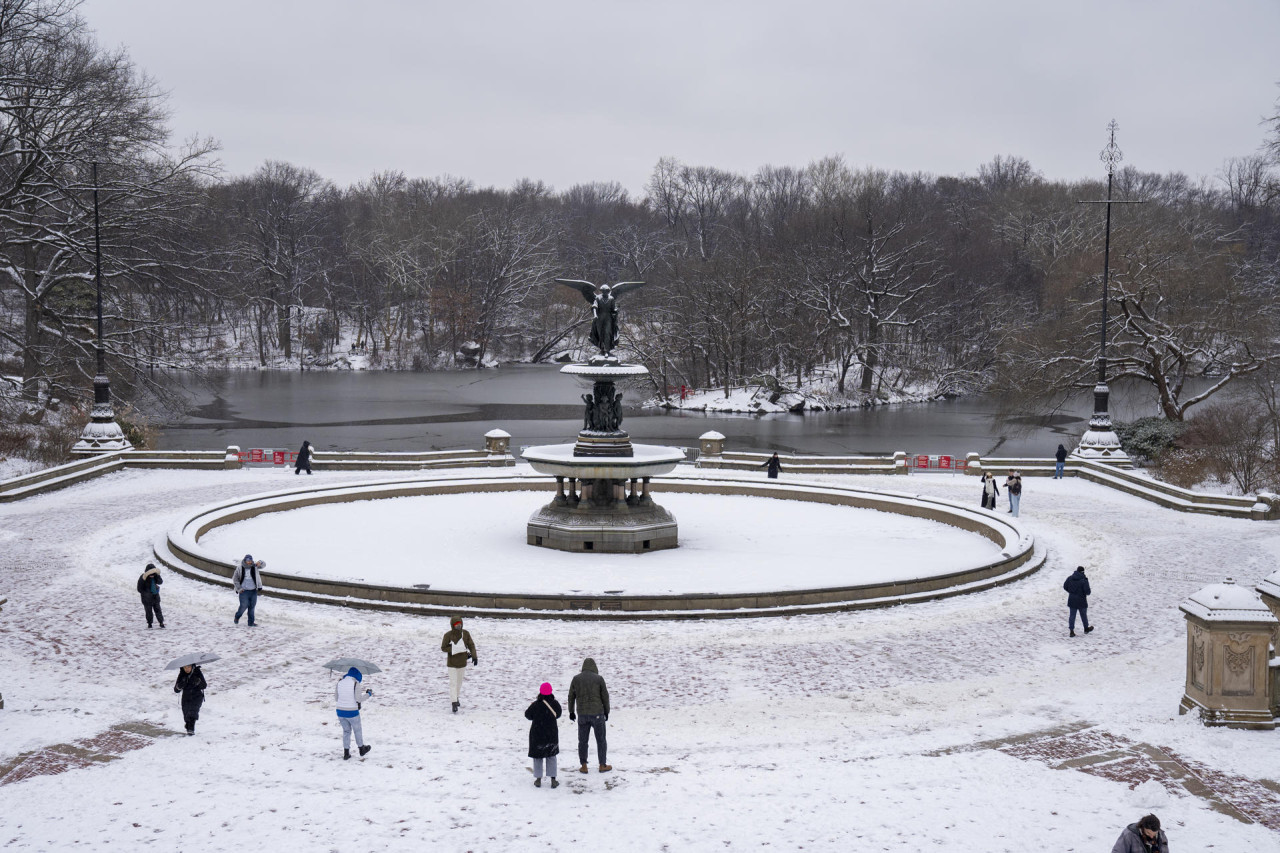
(544, 735)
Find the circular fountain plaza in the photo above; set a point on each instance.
(748, 547)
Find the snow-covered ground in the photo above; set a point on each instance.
(727, 544)
(870, 730)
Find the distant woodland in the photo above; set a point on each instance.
(874, 280)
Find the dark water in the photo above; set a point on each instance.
(446, 410)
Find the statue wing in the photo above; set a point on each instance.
(623, 286)
(586, 288)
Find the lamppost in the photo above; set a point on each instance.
(102, 434)
(1100, 440)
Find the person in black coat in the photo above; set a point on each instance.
(774, 464)
(304, 459)
(191, 685)
(1061, 458)
(149, 588)
(544, 734)
(1077, 587)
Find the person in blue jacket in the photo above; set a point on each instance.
(1077, 587)
(350, 696)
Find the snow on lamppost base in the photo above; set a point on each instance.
(102, 434)
(1100, 442)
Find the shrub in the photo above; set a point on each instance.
(1148, 438)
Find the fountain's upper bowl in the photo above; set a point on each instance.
(604, 371)
(649, 460)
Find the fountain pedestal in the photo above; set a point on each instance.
(602, 500)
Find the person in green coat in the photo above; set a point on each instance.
(589, 694)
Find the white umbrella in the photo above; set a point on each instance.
(193, 659)
(344, 664)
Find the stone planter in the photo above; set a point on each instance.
(1230, 633)
(497, 442)
(711, 443)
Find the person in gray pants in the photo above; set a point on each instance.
(350, 696)
(588, 692)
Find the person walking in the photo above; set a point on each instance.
(1061, 457)
(304, 459)
(1078, 592)
(149, 588)
(349, 696)
(774, 464)
(990, 491)
(247, 582)
(1013, 488)
(457, 646)
(1145, 836)
(590, 695)
(191, 685)
(544, 735)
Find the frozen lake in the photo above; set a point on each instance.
(477, 543)
(453, 409)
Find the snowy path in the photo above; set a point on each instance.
(843, 730)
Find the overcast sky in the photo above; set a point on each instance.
(572, 92)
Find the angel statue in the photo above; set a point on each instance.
(604, 308)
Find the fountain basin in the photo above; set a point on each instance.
(647, 460)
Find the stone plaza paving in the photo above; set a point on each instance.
(975, 719)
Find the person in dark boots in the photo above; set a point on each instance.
(774, 464)
(149, 588)
(304, 459)
(1145, 836)
(1077, 587)
(544, 735)
(191, 685)
(1060, 462)
(246, 580)
(457, 646)
(350, 696)
(588, 692)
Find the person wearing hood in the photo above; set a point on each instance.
(191, 685)
(544, 734)
(304, 459)
(349, 696)
(246, 580)
(774, 464)
(457, 646)
(1077, 587)
(1145, 836)
(1061, 458)
(589, 694)
(149, 588)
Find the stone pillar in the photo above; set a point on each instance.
(900, 462)
(560, 499)
(973, 464)
(232, 459)
(1269, 589)
(1230, 635)
(711, 443)
(497, 442)
(1265, 508)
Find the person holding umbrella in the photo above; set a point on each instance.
(544, 734)
(191, 685)
(349, 697)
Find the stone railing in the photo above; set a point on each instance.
(1260, 507)
(96, 465)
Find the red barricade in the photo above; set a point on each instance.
(277, 457)
(255, 455)
(944, 463)
(921, 462)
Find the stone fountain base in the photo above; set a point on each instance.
(625, 529)
(602, 503)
